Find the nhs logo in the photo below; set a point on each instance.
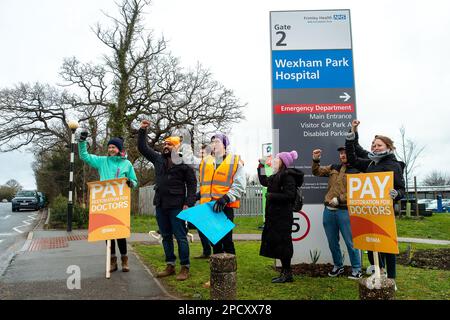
(339, 17)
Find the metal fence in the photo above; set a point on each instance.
(251, 201)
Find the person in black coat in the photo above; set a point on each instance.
(276, 240)
(175, 191)
(381, 158)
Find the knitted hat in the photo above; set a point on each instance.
(222, 138)
(118, 142)
(173, 140)
(288, 157)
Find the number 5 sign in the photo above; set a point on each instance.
(301, 226)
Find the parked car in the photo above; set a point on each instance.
(25, 199)
(424, 201)
(432, 206)
(42, 200)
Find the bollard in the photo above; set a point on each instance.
(385, 291)
(223, 276)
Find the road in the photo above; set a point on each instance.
(14, 228)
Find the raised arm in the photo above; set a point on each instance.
(262, 176)
(359, 163)
(150, 154)
(316, 169)
(92, 160)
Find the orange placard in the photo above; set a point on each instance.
(109, 210)
(371, 211)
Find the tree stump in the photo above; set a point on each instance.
(385, 290)
(223, 276)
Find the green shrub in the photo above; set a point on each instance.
(58, 214)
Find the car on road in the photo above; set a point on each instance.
(25, 199)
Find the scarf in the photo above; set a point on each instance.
(377, 156)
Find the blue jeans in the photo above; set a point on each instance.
(333, 222)
(206, 245)
(169, 226)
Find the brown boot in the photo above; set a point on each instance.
(184, 273)
(170, 270)
(125, 267)
(113, 266)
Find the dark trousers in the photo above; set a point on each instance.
(122, 243)
(387, 260)
(206, 244)
(286, 264)
(226, 245)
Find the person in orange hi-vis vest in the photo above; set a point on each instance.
(222, 179)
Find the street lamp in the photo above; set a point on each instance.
(73, 126)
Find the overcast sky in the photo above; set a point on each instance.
(401, 53)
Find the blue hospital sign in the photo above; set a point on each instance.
(313, 105)
(313, 87)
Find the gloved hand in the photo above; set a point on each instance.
(221, 203)
(350, 136)
(129, 183)
(393, 193)
(83, 135)
(334, 202)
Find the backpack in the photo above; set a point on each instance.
(298, 202)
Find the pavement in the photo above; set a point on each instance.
(61, 265)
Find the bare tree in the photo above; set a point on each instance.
(136, 79)
(436, 178)
(140, 79)
(14, 184)
(409, 152)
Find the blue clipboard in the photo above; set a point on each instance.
(214, 225)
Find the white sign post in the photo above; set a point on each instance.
(313, 104)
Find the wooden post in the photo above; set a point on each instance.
(377, 265)
(415, 192)
(223, 276)
(108, 259)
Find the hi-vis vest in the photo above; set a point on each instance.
(216, 183)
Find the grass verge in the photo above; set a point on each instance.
(255, 273)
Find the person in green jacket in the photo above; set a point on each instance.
(113, 166)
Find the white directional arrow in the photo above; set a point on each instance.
(346, 96)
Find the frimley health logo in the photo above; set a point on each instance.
(339, 17)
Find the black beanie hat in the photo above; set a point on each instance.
(118, 142)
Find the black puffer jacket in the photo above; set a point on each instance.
(175, 185)
(388, 163)
(276, 239)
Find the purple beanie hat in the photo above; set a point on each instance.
(222, 138)
(288, 157)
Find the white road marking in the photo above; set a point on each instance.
(5, 217)
(1, 240)
(6, 234)
(27, 223)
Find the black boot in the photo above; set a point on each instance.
(285, 276)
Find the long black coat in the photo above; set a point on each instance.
(276, 240)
